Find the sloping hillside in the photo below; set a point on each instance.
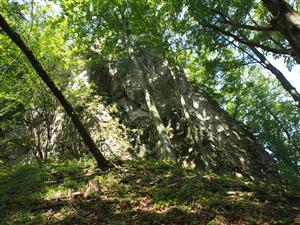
(137, 193)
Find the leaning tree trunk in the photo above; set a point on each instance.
(279, 76)
(202, 135)
(264, 62)
(15, 37)
(164, 146)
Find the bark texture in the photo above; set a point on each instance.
(287, 21)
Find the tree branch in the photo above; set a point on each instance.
(243, 26)
(247, 42)
(263, 61)
(286, 19)
(284, 82)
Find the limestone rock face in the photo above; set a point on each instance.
(201, 134)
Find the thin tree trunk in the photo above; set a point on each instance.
(263, 61)
(166, 149)
(15, 37)
(280, 77)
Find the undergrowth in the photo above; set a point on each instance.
(140, 192)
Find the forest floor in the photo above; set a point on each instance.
(145, 192)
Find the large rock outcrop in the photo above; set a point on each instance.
(199, 132)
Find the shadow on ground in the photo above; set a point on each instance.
(139, 193)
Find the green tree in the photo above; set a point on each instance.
(221, 45)
(15, 37)
(153, 26)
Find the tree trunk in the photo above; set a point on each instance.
(287, 20)
(280, 77)
(15, 37)
(263, 61)
(164, 146)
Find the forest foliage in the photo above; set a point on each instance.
(220, 45)
(159, 56)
